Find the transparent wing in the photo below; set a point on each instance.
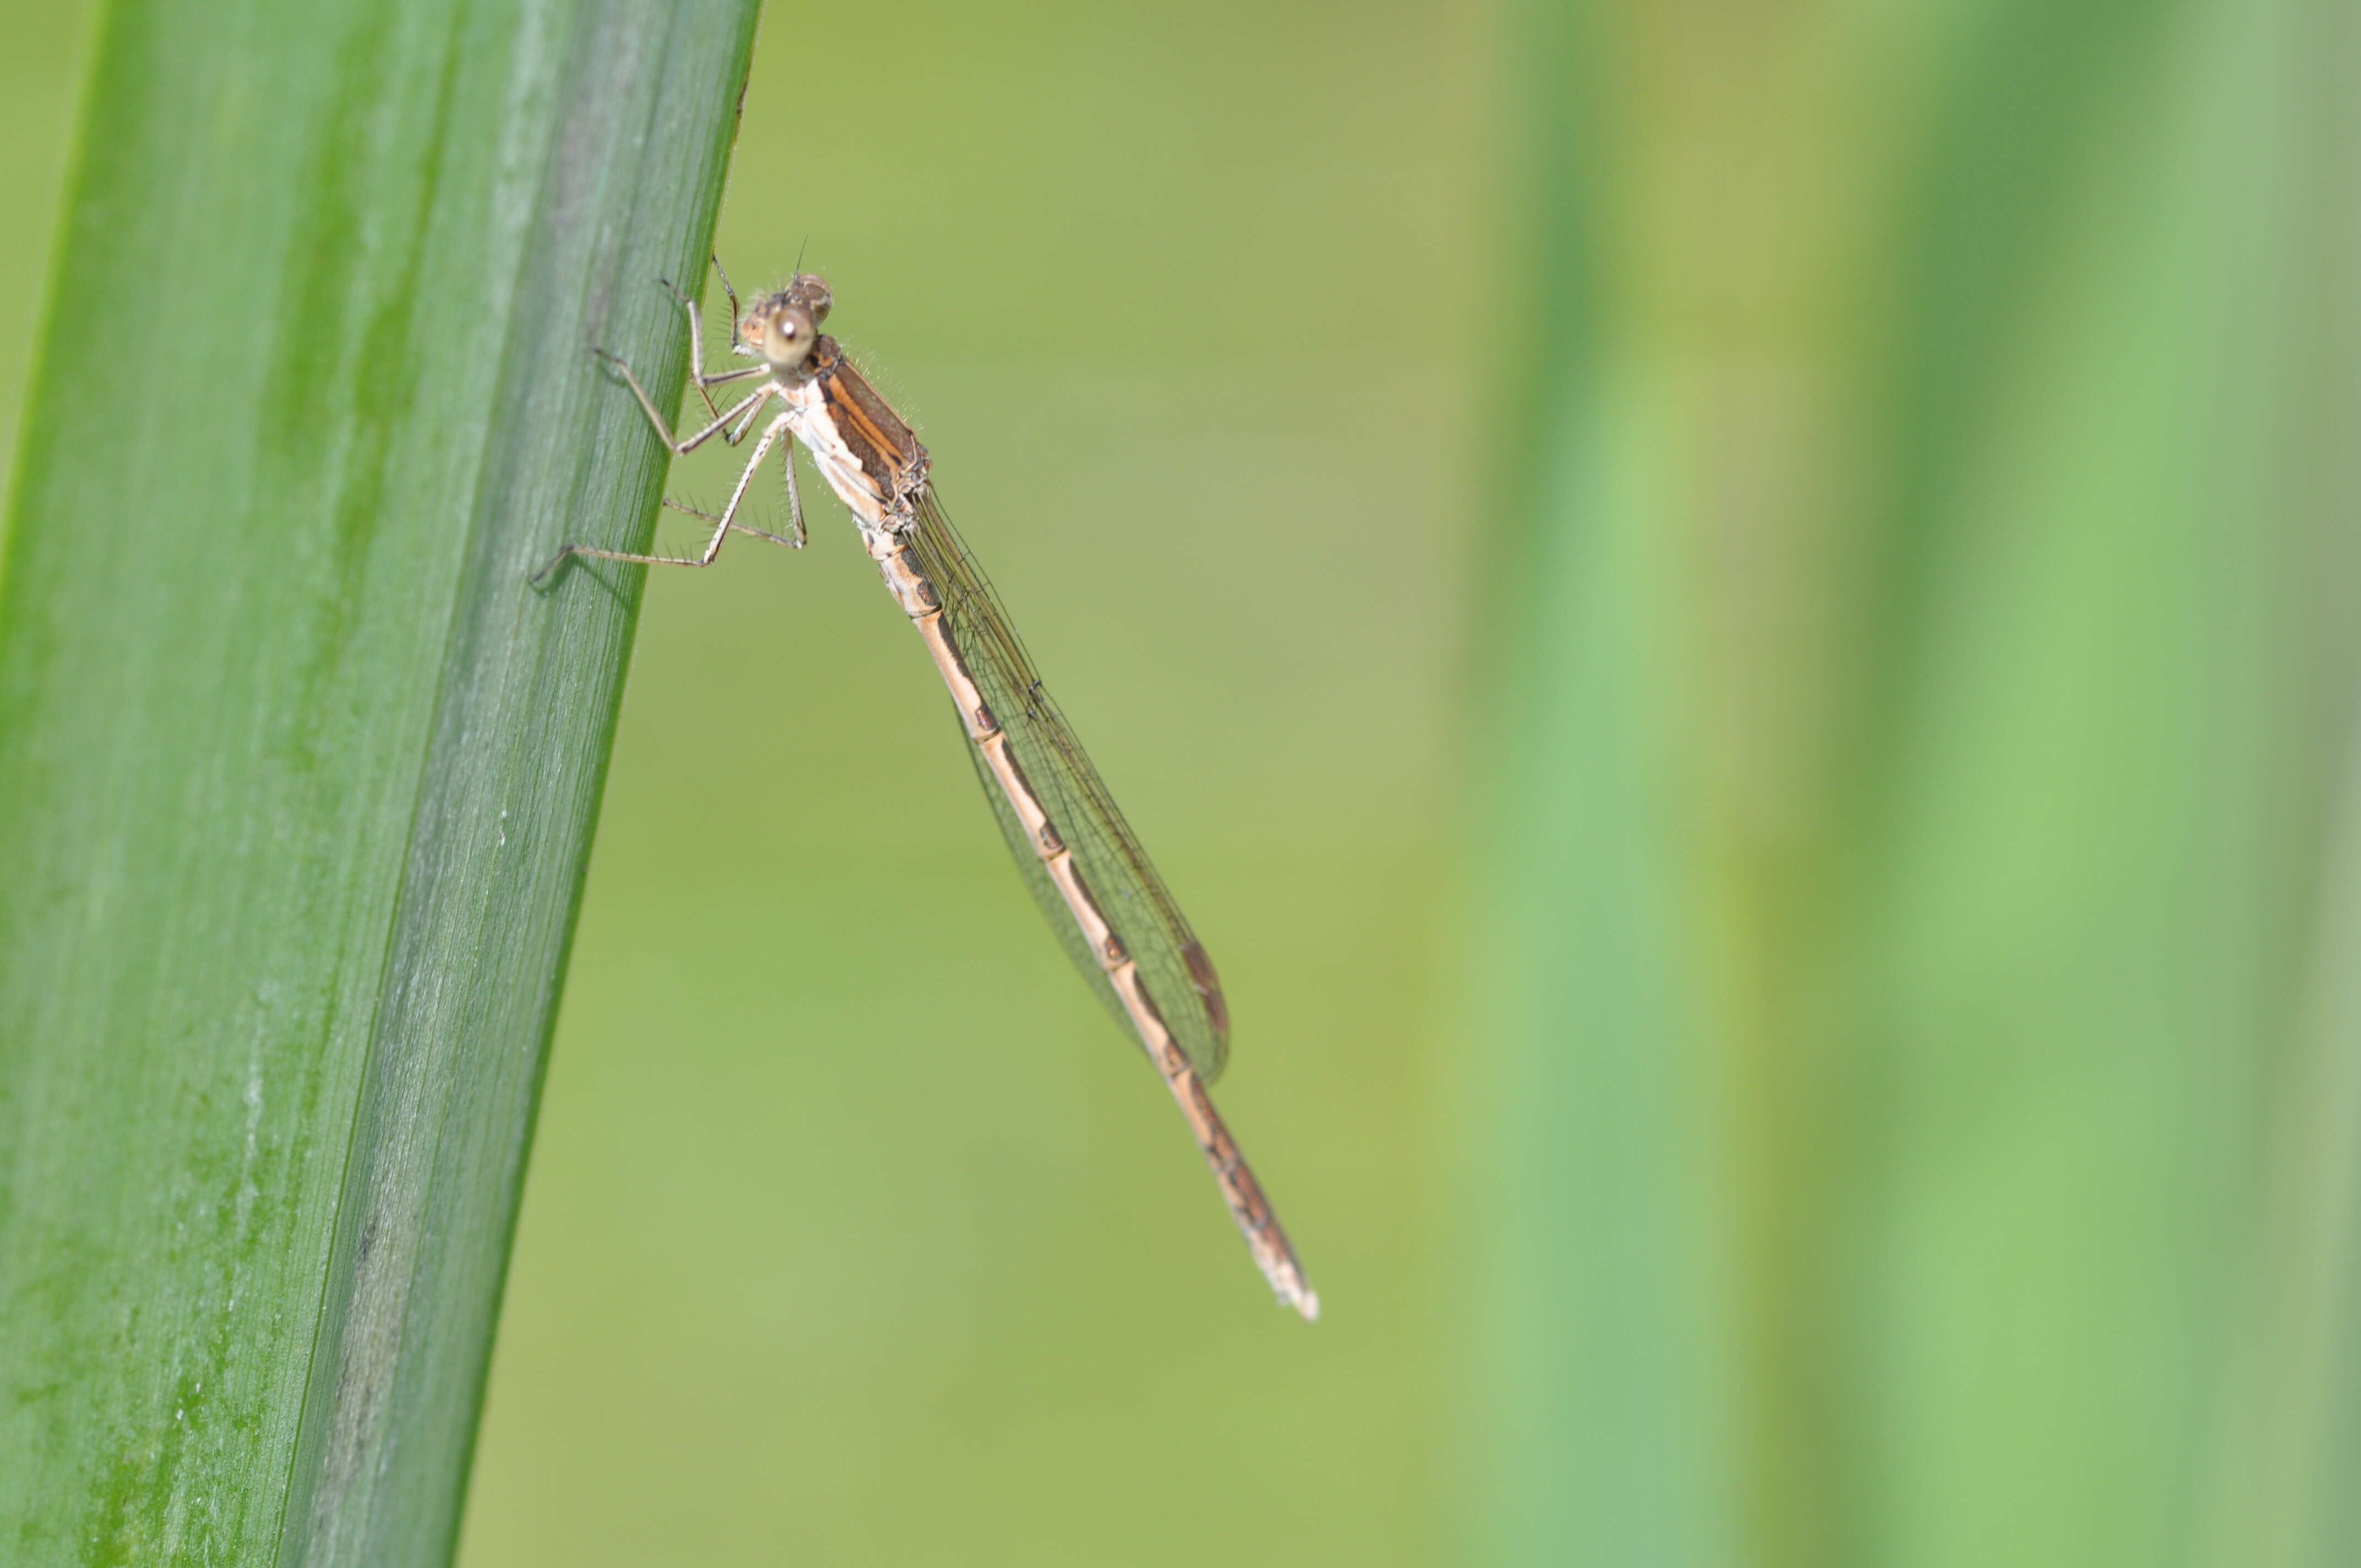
(1172, 963)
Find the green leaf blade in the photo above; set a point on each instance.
(300, 774)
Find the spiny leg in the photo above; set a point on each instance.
(787, 459)
(722, 524)
(726, 289)
(697, 376)
(734, 527)
(705, 387)
(683, 447)
(696, 336)
(794, 501)
(738, 434)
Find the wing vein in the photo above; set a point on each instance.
(1173, 968)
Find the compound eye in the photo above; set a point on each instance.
(790, 337)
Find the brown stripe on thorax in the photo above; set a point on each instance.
(874, 435)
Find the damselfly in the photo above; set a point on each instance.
(1079, 856)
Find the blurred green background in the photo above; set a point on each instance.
(1737, 625)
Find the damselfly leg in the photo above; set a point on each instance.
(732, 425)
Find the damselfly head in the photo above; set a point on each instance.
(781, 328)
(808, 291)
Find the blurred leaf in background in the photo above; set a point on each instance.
(1913, 961)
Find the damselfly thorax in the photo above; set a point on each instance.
(860, 447)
